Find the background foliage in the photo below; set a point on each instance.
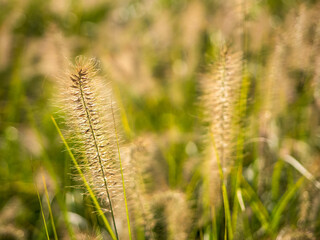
(155, 52)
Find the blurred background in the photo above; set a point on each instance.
(155, 52)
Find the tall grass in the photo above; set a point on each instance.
(209, 128)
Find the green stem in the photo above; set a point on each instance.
(228, 223)
(124, 189)
(40, 203)
(93, 197)
(97, 149)
(49, 207)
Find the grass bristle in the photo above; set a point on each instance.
(220, 93)
(90, 106)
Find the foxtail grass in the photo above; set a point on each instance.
(220, 96)
(139, 158)
(92, 125)
(173, 216)
(85, 182)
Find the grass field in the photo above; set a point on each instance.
(180, 120)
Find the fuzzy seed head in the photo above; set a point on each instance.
(220, 94)
(90, 109)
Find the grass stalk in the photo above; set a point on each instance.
(41, 208)
(93, 197)
(49, 168)
(228, 222)
(283, 203)
(42, 214)
(214, 223)
(257, 206)
(121, 170)
(97, 149)
(124, 117)
(49, 207)
(240, 140)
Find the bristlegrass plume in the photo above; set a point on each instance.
(90, 109)
(220, 93)
(141, 157)
(221, 88)
(172, 215)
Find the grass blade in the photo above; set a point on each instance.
(275, 184)
(93, 197)
(124, 118)
(49, 207)
(121, 170)
(241, 113)
(41, 208)
(43, 217)
(280, 207)
(49, 168)
(256, 205)
(298, 166)
(228, 223)
(39, 199)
